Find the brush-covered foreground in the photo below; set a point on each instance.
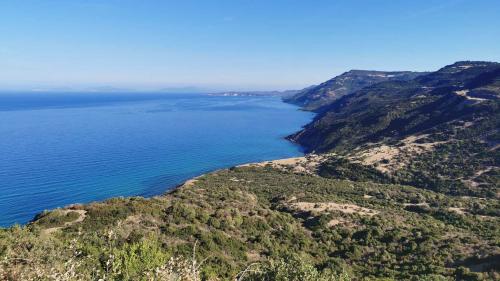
(262, 223)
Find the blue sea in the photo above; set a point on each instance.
(59, 149)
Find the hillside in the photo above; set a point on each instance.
(405, 186)
(257, 213)
(314, 97)
(438, 131)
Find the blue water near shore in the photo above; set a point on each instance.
(59, 149)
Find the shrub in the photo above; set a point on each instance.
(289, 269)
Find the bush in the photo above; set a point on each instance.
(129, 262)
(290, 269)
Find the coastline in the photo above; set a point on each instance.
(276, 163)
(302, 164)
(305, 164)
(265, 142)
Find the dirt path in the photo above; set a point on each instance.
(82, 215)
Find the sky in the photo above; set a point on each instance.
(234, 44)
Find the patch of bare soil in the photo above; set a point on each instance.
(301, 165)
(189, 183)
(423, 204)
(328, 207)
(464, 93)
(472, 181)
(336, 221)
(389, 158)
(253, 255)
(332, 206)
(460, 211)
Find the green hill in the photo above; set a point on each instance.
(437, 131)
(254, 214)
(314, 97)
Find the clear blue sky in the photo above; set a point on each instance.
(234, 44)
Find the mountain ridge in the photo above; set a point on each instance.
(314, 97)
(455, 106)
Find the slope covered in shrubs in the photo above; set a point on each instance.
(262, 216)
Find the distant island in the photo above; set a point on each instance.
(286, 93)
(401, 182)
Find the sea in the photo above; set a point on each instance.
(58, 149)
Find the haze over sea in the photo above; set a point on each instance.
(60, 149)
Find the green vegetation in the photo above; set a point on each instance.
(253, 215)
(454, 111)
(409, 192)
(341, 168)
(292, 269)
(56, 218)
(315, 97)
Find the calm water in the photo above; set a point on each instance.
(75, 148)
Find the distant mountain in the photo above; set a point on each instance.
(182, 90)
(314, 97)
(443, 126)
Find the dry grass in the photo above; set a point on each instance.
(332, 206)
(389, 158)
(301, 165)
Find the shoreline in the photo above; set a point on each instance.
(305, 164)
(28, 216)
(299, 164)
(192, 181)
